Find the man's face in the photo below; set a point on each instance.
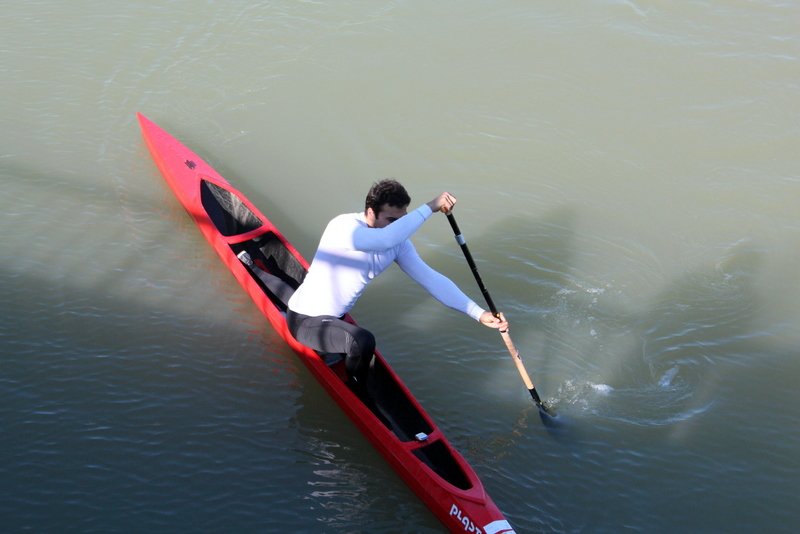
(387, 215)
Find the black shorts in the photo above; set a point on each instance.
(325, 333)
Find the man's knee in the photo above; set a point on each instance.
(365, 342)
(360, 353)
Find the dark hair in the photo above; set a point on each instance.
(388, 191)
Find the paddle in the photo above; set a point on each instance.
(544, 410)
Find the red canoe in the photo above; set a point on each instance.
(394, 422)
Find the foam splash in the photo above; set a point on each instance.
(581, 394)
(602, 389)
(666, 379)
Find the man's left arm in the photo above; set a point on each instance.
(438, 285)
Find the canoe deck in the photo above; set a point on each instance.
(386, 413)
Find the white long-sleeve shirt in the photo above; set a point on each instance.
(350, 254)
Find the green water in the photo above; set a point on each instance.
(627, 180)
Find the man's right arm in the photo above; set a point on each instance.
(377, 239)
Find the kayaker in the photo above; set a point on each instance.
(353, 250)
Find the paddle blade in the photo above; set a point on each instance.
(547, 413)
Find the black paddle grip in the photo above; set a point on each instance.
(463, 244)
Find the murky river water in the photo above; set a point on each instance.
(627, 176)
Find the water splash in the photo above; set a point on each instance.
(666, 379)
(663, 403)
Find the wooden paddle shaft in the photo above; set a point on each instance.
(517, 359)
(506, 336)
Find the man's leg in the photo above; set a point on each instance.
(331, 334)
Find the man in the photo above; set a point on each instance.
(354, 249)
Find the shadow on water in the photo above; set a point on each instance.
(680, 345)
(528, 266)
(120, 401)
(89, 409)
(120, 406)
(114, 411)
(121, 410)
(127, 399)
(663, 384)
(665, 355)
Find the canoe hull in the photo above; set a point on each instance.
(396, 425)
